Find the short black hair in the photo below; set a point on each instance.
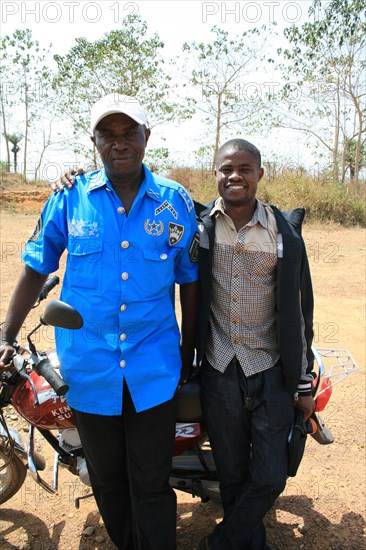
(241, 145)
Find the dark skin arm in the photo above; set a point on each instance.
(25, 295)
(188, 300)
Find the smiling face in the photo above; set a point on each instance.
(121, 144)
(238, 174)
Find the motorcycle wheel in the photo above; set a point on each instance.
(12, 476)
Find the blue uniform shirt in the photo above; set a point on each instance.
(120, 275)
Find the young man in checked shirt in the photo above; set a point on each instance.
(255, 335)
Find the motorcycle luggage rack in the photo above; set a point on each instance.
(335, 364)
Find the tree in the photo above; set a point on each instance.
(157, 160)
(47, 137)
(14, 139)
(326, 64)
(123, 61)
(203, 156)
(24, 77)
(349, 158)
(224, 73)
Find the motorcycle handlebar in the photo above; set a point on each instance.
(48, 286)
(45, 369)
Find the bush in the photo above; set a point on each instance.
(324, 201)
(200, 183)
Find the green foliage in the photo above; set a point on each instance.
(220, 71)
(204, 155)
(157, 160)
(14, 138)
(125, 61)
(350, 156)
(326, 63)
(23, 74)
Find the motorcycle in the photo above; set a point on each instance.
(32, 385)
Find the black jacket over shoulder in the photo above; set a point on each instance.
(295, 303)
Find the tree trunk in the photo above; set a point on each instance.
(336, 137)
(5, 133)
(358, 150)
(15, 159)
(26, 131)
(218, 125)
(360, 118)
(38, 167)
(344, 152)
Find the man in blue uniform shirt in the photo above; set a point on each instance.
(130, 236)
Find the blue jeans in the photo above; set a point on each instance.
(248, 421)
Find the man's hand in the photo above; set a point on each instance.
(187, 354)
(67, 180)
(6, 353)
(307, 405)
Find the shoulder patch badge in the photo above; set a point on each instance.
(194, 248)
(187, 199)
(37, 230)
(176, 232)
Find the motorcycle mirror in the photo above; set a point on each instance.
(60, 314)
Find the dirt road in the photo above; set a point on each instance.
(323, 507)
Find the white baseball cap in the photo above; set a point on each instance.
(116, 103)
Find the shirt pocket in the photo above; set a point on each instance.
(85, 262)
(262, 267)
(157, 274)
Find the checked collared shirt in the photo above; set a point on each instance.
(242, 318)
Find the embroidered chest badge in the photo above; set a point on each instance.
(153, 228)
(176, 233)
(82, 228)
